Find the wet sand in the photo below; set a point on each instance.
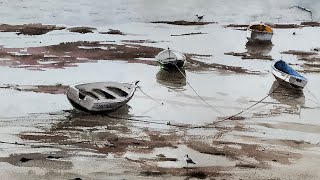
(43, 136)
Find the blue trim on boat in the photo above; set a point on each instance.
(284, 67)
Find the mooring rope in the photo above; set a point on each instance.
(214, 109)
(270, 93)
(211, 125)
(314, 102)
(313, 95)
(149, 96)
(228, 118)
(154, 121)
(253, 104)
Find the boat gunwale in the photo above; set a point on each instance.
(297, 77)
(261, 32)
(258, 31)
(116, 100)
(174, 52)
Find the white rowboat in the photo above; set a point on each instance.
(100, 96)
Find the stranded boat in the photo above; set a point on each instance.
(169, 59)
(288, 76)
(259, 33)
(100, 96)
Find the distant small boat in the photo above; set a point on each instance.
(287, 76)
(169, 59)
(100, 96)
(259, 33)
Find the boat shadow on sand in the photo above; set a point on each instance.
(76, 119)
(123, 111)
(173, 79)
(287, 96)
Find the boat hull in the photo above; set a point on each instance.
(172, 65)
(255, 36)
(82, 98)
(259, 33)
(171, 60)
(97, 110)
(288, 80)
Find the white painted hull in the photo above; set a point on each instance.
(100, 96)
(253, 35)
(287, 79)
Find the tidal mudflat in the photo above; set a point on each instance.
(45, 48)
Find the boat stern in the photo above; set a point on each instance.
(298, 82)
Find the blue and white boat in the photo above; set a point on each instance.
(288, 76)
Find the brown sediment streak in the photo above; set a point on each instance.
(69, 54)
(261, 154)
(116, 138)
(185, 23)
(42, 160)
(188, 34)
(299, 53)
(139, 41)
(29, 29)
(189, 172)
(50, 89)
(195, 65)
(245, 55)
(113, 31)
(277, 26)
(82, 29)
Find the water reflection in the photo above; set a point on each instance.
(258, 48)
(172, 79)
(286, 95)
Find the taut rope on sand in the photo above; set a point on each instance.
(313, 95)
(149, 96)
(258, 102)
(214, 109)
